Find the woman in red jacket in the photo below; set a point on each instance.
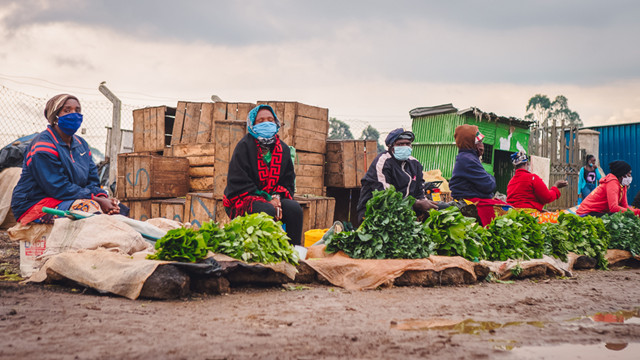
(527, 190)
(611, 195)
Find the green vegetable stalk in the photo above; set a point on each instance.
(516, 235)
(181, 244)
(624, 228)
(454, 234)
(587, 236)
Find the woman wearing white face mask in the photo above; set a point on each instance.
(611, 195)
(588, 179)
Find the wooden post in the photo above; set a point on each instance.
(116, 134)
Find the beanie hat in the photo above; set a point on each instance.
(619, 168)
(398, 134)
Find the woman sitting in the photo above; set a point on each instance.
(528, 191)
(261, 175)
(611, 195)
(469, 180)
(58, 171)
(588, 178)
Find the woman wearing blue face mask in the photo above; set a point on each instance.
(398, 168)
(58, 170)
(589, 178)
(261, 175)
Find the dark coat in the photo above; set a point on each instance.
(469, 179)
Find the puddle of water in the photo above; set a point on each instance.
(469, 326)
(609, 351)
(617, 317)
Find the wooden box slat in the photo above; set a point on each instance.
(172, 209)
(348, 162)
(202, 207)
(139, 209)
(146, 176)
(152, 128)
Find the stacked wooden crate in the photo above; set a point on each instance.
(304, 127)
(347, 163)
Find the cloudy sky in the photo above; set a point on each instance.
(367, 61)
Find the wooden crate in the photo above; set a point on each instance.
(195, 123)
(346, 203)
(202, 207)
(227, 136)
(317, 212)
(309, 168)
(147, 176)
(348, 162)
(172, 209)
(304, 127)
(152, 128)
(139, 209)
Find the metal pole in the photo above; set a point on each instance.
(116, 134)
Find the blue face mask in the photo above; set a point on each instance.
(402, 153)
(266, 130)
(70, 123)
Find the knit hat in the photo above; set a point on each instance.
(398, 134)
(55, 104)
(619, 168)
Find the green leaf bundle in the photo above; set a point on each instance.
(624, 228)
(556, 240)
(390, 230)
(181, 244)
(515, 235)
(587, 236)
(454, 234)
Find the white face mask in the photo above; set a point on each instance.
(626, 181)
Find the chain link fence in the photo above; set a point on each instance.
(22, 114)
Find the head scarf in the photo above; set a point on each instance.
(467, 136)
(54, 105)
(619, 168)
(251, 118)
(398, 134)
(519, 158)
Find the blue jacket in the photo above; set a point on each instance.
(52, 169)
(469, 179)
(385, 170)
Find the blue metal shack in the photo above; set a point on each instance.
(620, 142)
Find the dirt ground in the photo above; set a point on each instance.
(551, 318)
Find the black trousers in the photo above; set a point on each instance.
(291, 217)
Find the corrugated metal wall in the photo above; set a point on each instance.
(621, 142)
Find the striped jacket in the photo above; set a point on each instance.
(385, 170)
(53, 169)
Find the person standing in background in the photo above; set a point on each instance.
(588, 179)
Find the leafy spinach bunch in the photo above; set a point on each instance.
(181, 244)
(251, 238)
(624, 228)
(454, 234)
(556, 240)
(390, 230)
(515, 235)
(587, 236)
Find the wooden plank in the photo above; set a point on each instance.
(228, 134)
(329, 217)
(172, 209)
(310, 144)
(150, 176)
(201, 160)
(321, 213)
(159, 143)
(176, 137)
(359, 165)
(287, 131)
(191, 123)
(310, 170)
(309, 181)
(315, 125)
(206, 124)
(201, 171)
(243, 111)
(139, 209)
(138, 128)
(219, 113)
(184, 150)
(319, 191)
(313, 112)
(307, 158)
(149, 130)
(232, 111)
(201, 184)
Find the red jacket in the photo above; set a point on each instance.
(527, 190)
(608, 197)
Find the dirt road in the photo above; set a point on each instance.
(522, 320)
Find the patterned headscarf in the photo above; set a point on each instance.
(251, 118)
(519, 158)
(54, 105)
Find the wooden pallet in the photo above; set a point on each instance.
(348, 162)
(152, 128)
(147, 176)
(304, 127)
(172, 209)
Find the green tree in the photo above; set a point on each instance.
(543, 111)
(339, 130)
(538, 109)
(371, 133)
(560, 111)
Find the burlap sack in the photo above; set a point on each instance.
(8, 180)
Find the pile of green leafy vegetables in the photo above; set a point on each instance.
(251, 238)
(390, 230)
(624, 228)
(586, 236)
(515, 235)
(556, 240)
(455, 235)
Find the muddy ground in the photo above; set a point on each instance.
(547, 318)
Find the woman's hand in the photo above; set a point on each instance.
(108, 206)
(275, 201)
